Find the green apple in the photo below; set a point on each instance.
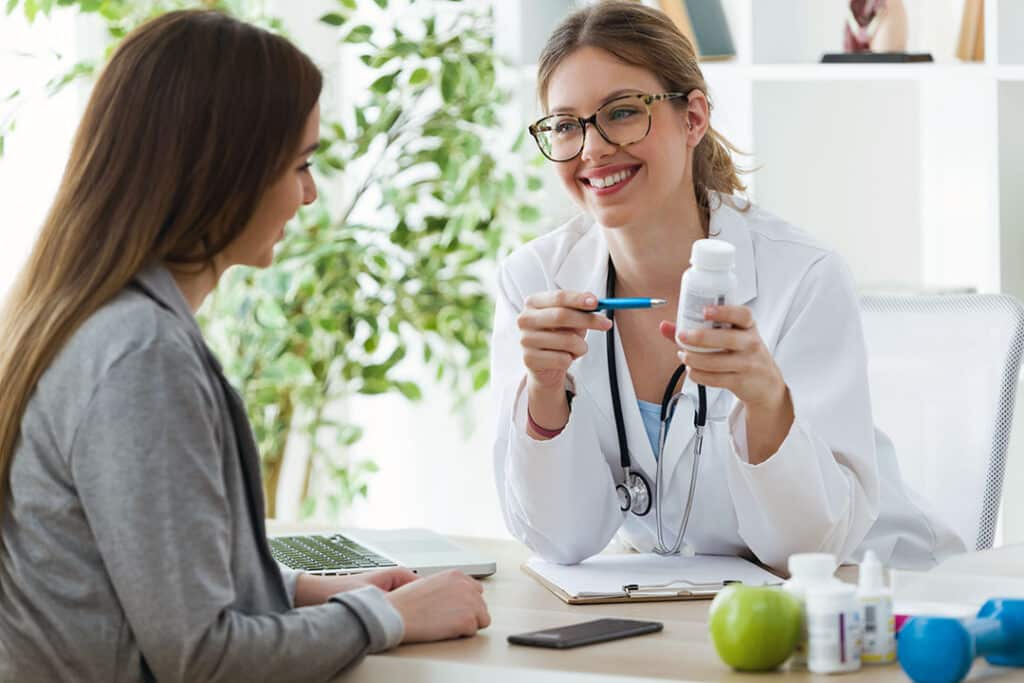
(754, 628)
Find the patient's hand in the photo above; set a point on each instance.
(441, 606)
(316, 590)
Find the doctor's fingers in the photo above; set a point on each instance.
(718, 362)
(540, 360)
(554, 341)
(561, 318)
(732, 339)
(737, 316)
(562, 298)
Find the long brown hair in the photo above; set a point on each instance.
(194, 117)
(646, 37)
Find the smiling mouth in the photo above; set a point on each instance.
(611, 180)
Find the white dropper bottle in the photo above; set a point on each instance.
(876, 601)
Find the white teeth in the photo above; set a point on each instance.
(613, 179)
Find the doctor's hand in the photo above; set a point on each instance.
(746, 368)
(554, 325)
(441, 606)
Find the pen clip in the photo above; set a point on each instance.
(676, 587)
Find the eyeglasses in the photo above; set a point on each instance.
(622, 121)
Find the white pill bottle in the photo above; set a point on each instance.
(833, 629)
(709, 281)
(807, 571)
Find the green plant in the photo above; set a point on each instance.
(392, 262)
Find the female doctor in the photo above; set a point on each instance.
(790, 459)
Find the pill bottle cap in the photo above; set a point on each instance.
(713, 255)
(812, 566)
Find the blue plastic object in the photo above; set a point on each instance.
(942, 649)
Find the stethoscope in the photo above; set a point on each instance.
(635, 492)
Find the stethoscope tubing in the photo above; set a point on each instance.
(668, 403)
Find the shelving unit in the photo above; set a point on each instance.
(895, 165)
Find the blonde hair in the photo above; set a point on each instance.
(646, 37)
(195, 116)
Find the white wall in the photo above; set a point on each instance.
(35, 154)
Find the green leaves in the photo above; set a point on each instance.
(529, 214)
(333, 19)
(449, 81)
(360, 34)
(419, 76)
(385, 83)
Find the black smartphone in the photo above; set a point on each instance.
(586, 633)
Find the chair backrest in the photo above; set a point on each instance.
(943, 373)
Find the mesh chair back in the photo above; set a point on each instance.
(943, 374)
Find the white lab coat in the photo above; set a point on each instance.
(833, 485)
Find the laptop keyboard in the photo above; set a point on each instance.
(325, 553)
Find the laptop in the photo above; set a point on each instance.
(351, 551)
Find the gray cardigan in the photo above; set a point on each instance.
(133, 543)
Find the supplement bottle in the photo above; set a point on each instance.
(833, 629)
(710, 280)
(805, 571)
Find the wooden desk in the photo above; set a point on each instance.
(681, 652)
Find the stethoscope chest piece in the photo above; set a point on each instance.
(634, 494)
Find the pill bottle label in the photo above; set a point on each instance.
(834, 641)
(692, 314)
(879, 623)
(694, 304)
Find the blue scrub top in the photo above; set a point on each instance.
(651, 414)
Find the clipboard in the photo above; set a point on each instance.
(645, 577)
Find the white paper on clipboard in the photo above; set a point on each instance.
(605, 576)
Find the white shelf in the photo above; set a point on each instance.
(1010, 73)
(853, 72)
(867, 72)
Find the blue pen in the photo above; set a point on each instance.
(636, 302)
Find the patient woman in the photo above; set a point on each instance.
(133, 543)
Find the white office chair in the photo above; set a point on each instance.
(943, 373)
